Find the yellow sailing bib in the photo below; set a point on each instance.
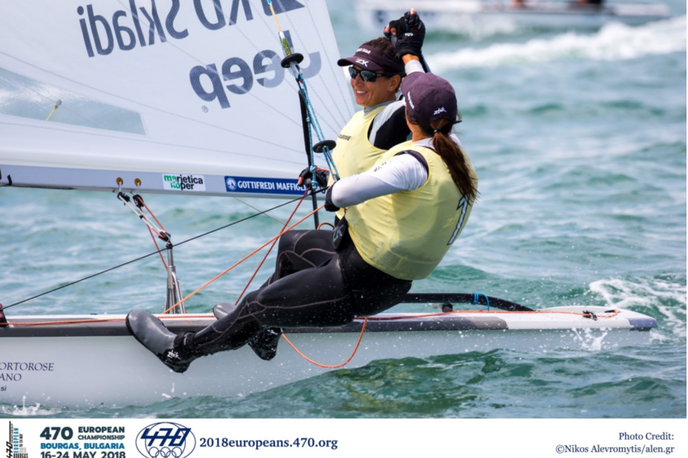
(354, 153)
(406, 234)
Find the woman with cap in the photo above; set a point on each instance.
(403, 215)
(376, 71)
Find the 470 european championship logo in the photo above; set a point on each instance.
(165, 440)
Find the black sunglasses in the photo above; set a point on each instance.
(368, 76)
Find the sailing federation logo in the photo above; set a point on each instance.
(165, 440)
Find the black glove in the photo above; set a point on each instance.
(410, 34)
(399, 26)
(306, 177)
(329, 205)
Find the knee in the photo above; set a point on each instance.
(288, 240)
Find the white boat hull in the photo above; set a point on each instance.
(462, 15)
(99, 363)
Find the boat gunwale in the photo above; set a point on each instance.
(464, 320)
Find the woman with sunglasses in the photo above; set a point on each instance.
(401, 223)
(376, 71)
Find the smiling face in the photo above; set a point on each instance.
(371, 93)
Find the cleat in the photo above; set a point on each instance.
(162, 342)
(264, 344)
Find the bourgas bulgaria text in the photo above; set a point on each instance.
(649, 442)
(88, 442)
(142, 23)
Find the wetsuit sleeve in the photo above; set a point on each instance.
(403, 172)
(392, 131)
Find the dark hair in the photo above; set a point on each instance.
(384, 45)
(452, 155)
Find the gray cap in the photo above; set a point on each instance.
(429, 98)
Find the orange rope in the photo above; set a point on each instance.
(245, 258)
(269, 250)
(151, 213)
(150, 231)
(104, 320)
(327, 366)
(371, 318)
(495, 312)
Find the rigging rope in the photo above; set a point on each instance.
(609, 314)
(57, 105)
(283, 204)
(327, 366)
(269, 250)
(292, 61)
(245, 258)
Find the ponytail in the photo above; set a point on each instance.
(453, 157)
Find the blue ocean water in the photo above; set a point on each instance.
(579, 139)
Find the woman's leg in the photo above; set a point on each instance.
(331, 294)
(298, 250)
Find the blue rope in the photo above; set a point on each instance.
(311, 118)
(476, 298)
(314, 125)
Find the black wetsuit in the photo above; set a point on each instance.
(314, 285)
(326, 286)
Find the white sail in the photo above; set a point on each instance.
(166, 95)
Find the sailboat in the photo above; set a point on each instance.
(195, 98)
(462, 15)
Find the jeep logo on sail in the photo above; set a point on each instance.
(239, 76)
(183, 182)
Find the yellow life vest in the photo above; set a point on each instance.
(354, 153)
(406, 234)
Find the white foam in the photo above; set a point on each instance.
(26, 411)
(612, 42)
(650, 294)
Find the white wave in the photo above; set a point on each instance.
(647, 293)
(614, 41)
(478, 30)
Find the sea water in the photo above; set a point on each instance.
(579, 139)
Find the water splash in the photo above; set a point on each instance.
(612, 42)
(26, 411)
(591, 340)
(663, 297)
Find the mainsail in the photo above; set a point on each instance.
(162, 95)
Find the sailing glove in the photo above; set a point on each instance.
(329, 205)
(410, 34)
(306, 177)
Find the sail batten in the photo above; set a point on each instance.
(169, 89)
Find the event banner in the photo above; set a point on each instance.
(205, 438)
